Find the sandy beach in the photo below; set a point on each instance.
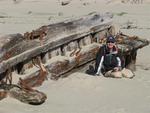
(79, 92)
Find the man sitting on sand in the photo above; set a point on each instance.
(108, 62)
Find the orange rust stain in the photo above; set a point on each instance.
(3, 94)
(35, 80)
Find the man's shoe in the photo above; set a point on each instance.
(98, 74)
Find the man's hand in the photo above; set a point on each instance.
(117, 69)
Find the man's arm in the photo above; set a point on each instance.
(118, 68)
(119, 62)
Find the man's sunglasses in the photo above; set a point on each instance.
(110, 42)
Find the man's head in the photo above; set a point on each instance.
(110, 41)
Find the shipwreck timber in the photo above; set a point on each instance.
(17, 51)
(62, 47)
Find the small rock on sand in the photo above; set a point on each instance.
(65, 2)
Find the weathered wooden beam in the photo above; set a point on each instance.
(32, 97)
(127, 43)
(59, 65)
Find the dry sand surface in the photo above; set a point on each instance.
(82, 93)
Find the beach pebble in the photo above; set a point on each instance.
(65, 2)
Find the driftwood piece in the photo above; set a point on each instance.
(32, 97)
